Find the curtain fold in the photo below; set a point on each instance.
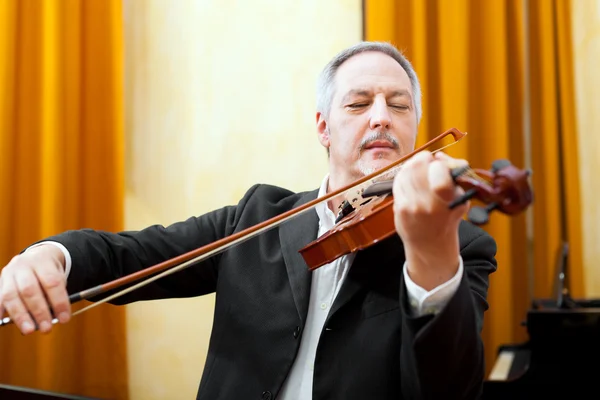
(501, 71)
(554, 143)
(61, 140)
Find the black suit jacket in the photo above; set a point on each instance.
(371, 347)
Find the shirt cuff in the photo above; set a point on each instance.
(63, 249)
(431, 302)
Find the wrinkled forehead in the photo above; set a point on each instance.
(373, 72)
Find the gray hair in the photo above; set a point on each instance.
(326, 84)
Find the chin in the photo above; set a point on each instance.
(367, 168)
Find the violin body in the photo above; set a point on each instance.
(368, 224)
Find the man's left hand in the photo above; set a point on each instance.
(422, 192)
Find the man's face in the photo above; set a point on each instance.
(372, 121)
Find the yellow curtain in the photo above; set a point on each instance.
(501, 71)
(61, 167)
(555, 142)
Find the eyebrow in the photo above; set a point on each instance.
(366, 93)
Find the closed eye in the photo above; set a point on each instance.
(357, 105)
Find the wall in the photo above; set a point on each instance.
(219, 96)
(586, 48)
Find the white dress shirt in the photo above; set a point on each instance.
(326, 283)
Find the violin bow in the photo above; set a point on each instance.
(186, 260)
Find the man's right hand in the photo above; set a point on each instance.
(33, 289)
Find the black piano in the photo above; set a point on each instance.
(560, 359)
(10, 392)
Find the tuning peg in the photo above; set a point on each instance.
(500, 164)
(481, 215)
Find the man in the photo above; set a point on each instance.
(401, 319)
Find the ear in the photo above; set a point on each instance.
(322, 130)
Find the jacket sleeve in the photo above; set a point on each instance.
(99, 256)
(442, 355)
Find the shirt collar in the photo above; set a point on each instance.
(326, 216)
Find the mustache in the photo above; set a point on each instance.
(375, 136)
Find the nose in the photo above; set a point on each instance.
(380, 116)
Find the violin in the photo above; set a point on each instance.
(504, 188)
(365, 218)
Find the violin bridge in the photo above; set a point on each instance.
(345, 208)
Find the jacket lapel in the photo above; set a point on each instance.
(369, 266)
(294, 235)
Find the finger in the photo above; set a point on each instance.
(450, 161)
(445, 189)
(15, 307)
(422, 157)
(404, 189)
(440, 181)
(53, 284)
(415, 176)
(33, 297)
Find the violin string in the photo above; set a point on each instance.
(354, 193)
(392, 171)
(470, 172)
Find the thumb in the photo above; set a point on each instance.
(451, 162)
